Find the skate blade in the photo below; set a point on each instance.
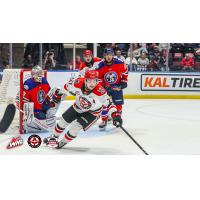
(102, 129)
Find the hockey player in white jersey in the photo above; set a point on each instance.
(89, 64)
(91, 98)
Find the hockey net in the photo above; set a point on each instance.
(11, 87)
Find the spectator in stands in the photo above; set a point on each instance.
(135, 50)
(7, 60)
(163, 47)
(156, 53)
(143, 48)
(78, 63)
(187, 63)
(119, 56)
(28, 63)
(143, 62)
(49, 61)
(134, 62)
(196, 47)
(153, 64)
(163, 62)
(115, 47)
(151, 47)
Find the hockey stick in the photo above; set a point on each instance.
(7, 118)
(134, 140)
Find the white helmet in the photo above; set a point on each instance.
(37, 73)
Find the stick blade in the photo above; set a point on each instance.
(7, 118)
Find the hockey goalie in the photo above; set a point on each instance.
(91, 97)
(39, 109)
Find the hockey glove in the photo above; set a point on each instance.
(123, 85)
(107, 88)
(117, 120)
(57, 96)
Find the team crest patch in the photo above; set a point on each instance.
(26, 87)
(101, 90)
(41, 96)
(85, 103)
(77, 81)
(111, 77)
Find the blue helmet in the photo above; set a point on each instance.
(108, 50)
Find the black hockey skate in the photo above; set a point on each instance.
(61, 145)
(102, 126)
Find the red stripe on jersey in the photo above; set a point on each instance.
(65, 86)
(95, 113)
(113, 106)
(124, 80)
(67, 137)
(124, 76)
(91, 124)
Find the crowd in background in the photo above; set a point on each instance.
(145, 56)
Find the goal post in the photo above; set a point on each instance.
(11, 87)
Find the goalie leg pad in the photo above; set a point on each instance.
(52, 111)
(34, 127)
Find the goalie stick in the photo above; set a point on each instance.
(134, 140)
(7, 118)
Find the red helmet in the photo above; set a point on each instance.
(91, 74)
(87, 52)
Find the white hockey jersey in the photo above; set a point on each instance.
(89, 101)
(93, 66)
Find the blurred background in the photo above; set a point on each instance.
(69, 56)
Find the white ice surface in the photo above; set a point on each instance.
(166, 127)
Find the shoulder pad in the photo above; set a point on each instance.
(82, 66)
(96, 59)
(44, 81)
(99, 90)
(79, 82)
(29, 84)
(100, 65)
(118, 61)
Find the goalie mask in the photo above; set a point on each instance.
(37, 74)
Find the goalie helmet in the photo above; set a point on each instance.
(37, 73)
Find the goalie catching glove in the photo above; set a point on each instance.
(117, 120)
(57, 96)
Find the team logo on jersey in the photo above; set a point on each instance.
(77, 81)
(85, 103)
(26, 87)
(15, 142)
(41, 96)
(110, 77)
(101, 90)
